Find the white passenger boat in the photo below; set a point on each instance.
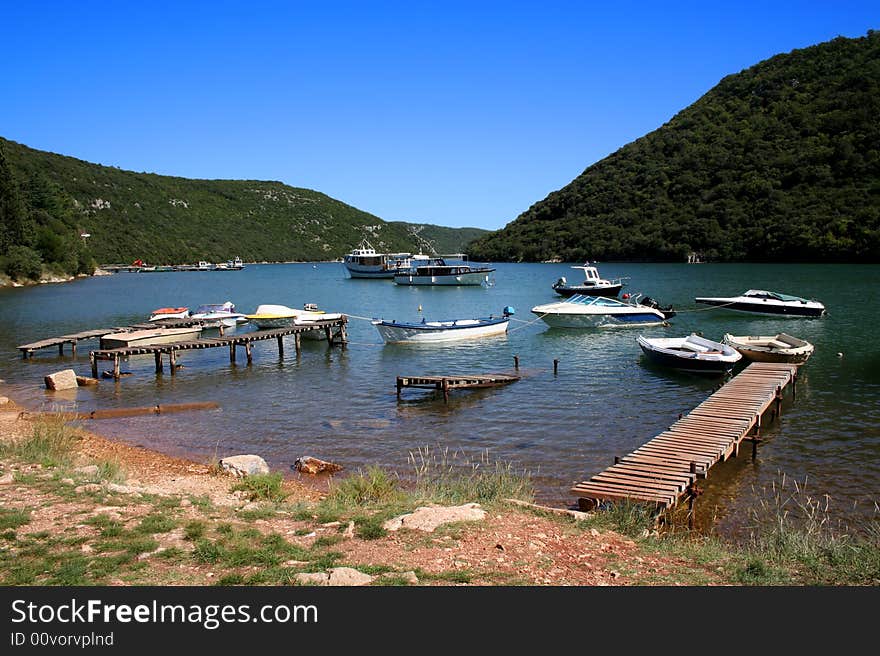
(365, 262)
(600, 312)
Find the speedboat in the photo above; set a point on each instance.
(693, 353)
(592, 284)
(230, 265)
(169, 313)
(774, 348)
(282, 316)
(224, 313)
(394, 332)
(136, 338)
(758, 301)
(435, 271)
(600, 312)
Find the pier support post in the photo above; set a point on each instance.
(297, 342)
(778, 402)
(399, 386)
(555, 367)
(232, 353)
(280, 346)
(329, 335)
(158, 356)
(247, 350)
(343, 336)
(516, 362)
(445, 391)
(116, 367)
(172, 361)
(94, 362)
(755, 441)
(73, 348)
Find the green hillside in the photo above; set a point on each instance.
(780, 162)
(162, 219)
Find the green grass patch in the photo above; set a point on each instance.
(12, 518)
(51, 443)
(262, 487)
(445, 476)
(156, 523)
(371, 487)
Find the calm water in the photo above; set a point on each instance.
(605, 401)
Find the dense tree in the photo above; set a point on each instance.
(779, 162)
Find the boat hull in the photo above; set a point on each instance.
(393, 333)
(571, 290)
(689, 364)
(765, 308)
(149, 337)
(771, 349)
(472, 278)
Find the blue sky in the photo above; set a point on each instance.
(453, 113)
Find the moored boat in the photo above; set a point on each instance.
(394, 332)
(149, 337)
(224, 313)
(436, 271)
(693, 353)
(773, 348)
(759, 301)
(600, 312)
(592, 284)
(169, 313)
(364, 262)
(281, 316)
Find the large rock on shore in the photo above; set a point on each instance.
(242, 466)
(337, 576)
(428, 518)
(310, 465)
(62, 380)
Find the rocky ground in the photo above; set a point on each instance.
(123, 515)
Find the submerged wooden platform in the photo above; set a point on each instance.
(334, 331)
(664, 470)
(446, 383)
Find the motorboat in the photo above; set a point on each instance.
(436, 271)
(592, 284)
(774, 348)
(364, 262)
(169, 313)
(230, 265)
(581, 311)
(758, 301)
(694, 354)
(281, 316)
(136, 338)
(223, 313)
(395, 332)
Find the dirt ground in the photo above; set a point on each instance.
(510, 546)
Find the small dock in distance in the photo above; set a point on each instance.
(447, 383)
(664, 470)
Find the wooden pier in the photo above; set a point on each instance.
(665, 469)
(28, 350)
(446, 383)
(334, 331)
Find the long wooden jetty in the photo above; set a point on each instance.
(446, 383)
(28, 350)
(665, 470)
(334, 331)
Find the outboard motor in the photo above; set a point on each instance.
(667, 311)
(508, 310)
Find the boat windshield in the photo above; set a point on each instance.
(758, 293)
(595, 300)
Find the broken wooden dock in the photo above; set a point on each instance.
(334, 331)
(28, 350)
(447, 383)
(665, 470)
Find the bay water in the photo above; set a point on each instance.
(605, 400)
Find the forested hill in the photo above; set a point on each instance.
(779, 162)
(47, 201)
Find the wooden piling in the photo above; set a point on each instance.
(232, 353)
(247, 350)
(555, 367)
(158, 357)
(116, 367)
(516, 362)
(297, 343)
(445, 383)
(94, 362)
(172, 361)
(280, 346)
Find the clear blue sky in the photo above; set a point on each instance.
(453, 113)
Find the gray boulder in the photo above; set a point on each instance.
(61, 380)
(242, 466)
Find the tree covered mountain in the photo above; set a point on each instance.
(780, 162)
(47, 201)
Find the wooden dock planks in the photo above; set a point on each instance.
(447, 383)
(663, 470)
